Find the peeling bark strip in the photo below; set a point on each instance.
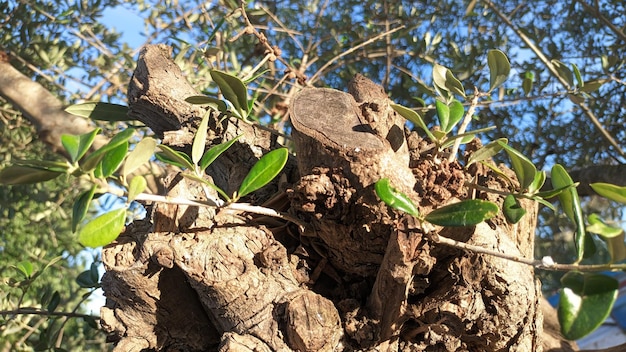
(361, 277)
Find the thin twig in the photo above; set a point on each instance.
(545, 264)
(555, 73)
(466, 120)
(319, 72)
(596, 12)
(35, 311)
(240, 207)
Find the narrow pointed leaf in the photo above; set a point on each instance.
(81, 207)
(209, 157)
(579, 79)
(540, 179)
(598, 226)
(555, 192)
(26, 268)
(233, 90)
(394, 199)
(464, 213)
(524, 169)
(564, 72)
(215, 103)
(54, 302)
(21, 175)
(499, 68)
(199, 140)
(100, 111)
(527, 86)
(142, 153)
(50, 165)
(112, 160)
(77, 146)
(414, 117)
(443, 113)
(586, 301)
(92, 160)
(616, 248)
(609, 191)
(454, 85)
(103, 230)
(456, 114)
(591, 86)
(439, 77)
(443, 79)
(264, 171)
(571, 205)
(137, 185)
(512, 209)
(174, 157)
(465, 138)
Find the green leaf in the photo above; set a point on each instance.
(77, 146)
(499, 68)
(578, 76)
(81, 206)
(100, 111)
(527, 86)
(26, 268)
(439, 135)
(538, 181)
(264, 171)
(21, 175)
(92, 160)
(465, 138)
(112, 160)
(586, 301)
(512, 209)
(543, 202)
(103, 230)
(443, 112)
(571, 205)
(414, 117)
(173, 157)
(142, 153)
(456, 114)
(209, 157)
(524, 169)
(54, 302)
(394, 199)
(137, 185)
(89, 278)
(57, 166)
(233, 90)
(487, 151)
(616, 248)
(554, 192)
(563, 72)
(199, 140)
(609, 191)
(203, 100)
(591, 86)
(598, 226)
(445, 80)
(465, 213)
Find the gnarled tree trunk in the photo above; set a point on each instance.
(358, 276)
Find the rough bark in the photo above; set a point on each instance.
(360, 276)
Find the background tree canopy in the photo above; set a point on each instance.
(550, 112)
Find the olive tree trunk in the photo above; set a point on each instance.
(359, 276)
